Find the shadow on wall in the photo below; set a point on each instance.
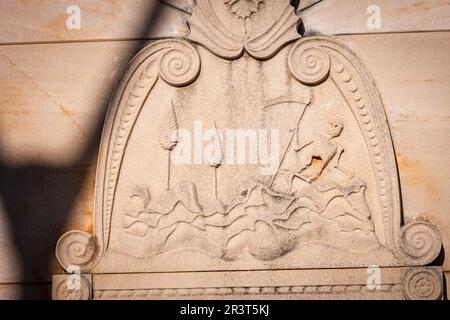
(38, 198)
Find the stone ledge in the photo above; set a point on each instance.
(408, 283)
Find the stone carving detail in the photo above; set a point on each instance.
(179, 65)
(229, 35)
(169, 130)
(309, 64)
(351, 78)
(285, 217)
(76, 248)
(332, 200)
(242, 291)
(420, 243)
(66, 289)
(243, 8)
(319, 166)
(423, 284)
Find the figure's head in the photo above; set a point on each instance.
(335, 128)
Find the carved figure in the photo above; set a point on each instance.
(318, 165)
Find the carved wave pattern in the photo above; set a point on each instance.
(265, 223)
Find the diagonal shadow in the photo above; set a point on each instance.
(38, 198)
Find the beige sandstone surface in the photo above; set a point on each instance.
(363, 122)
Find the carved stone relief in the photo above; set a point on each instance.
(423, 284)
(331, 201)
(71, 288)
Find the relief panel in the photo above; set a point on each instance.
(178, 191)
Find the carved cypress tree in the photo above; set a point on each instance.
(168, 138)
(217, 159)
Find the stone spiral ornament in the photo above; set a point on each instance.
(309, 63)
(180, 65)
(420, 243)
(423, 284)
(76, 248)
(78, 289)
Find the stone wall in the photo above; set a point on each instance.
(56, 83)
